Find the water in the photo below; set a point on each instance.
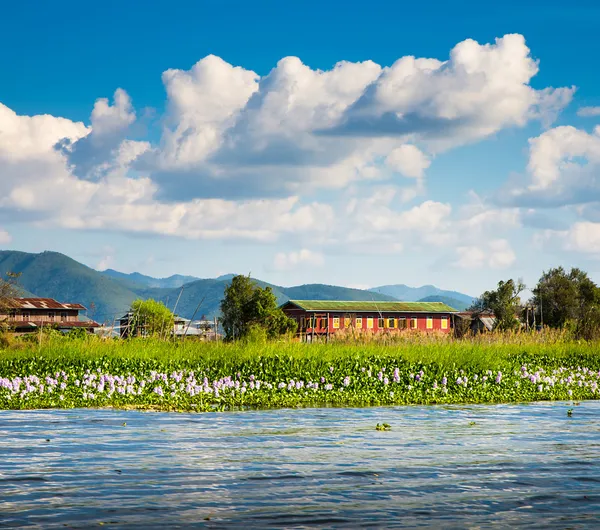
(517, 465)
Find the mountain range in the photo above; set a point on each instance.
(108, 294)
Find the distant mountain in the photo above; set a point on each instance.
(452, 302)
(414, 294)
(108, 294)
(177, 280)
(55, 275)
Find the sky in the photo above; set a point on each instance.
(349, 143)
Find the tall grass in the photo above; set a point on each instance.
(410, 369)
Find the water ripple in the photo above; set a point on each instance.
(452, 467)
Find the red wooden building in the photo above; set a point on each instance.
(325, 317)
(24, 315)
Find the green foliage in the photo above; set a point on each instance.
(151, 319)
(247, 306)
(356, 374)
(504, 302)
(569, 300)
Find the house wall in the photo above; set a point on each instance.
(41, 315)
(336, 321)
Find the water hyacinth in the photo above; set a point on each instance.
(356, 377)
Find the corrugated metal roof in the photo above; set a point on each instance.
(374, 307)
(41, 303)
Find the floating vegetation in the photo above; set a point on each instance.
(158, 376)
(383, 427)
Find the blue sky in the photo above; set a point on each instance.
(173, 138)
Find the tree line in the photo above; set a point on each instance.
(561, 299)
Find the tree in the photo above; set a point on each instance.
(247, 306)
(563, 296)
(151, 318)
(568, 300)
(504, 302)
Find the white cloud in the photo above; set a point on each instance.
(408, 160)
(582, 237)
(563, 169)
(299, 127)
(496, 254)
(108, 119)
(240, 155)
(588, 112)
(5, 237)
(296, 259)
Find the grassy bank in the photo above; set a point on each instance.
(207, 376)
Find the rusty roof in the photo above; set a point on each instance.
(372, 307)
(42, 303)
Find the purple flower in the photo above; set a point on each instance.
(346, 381)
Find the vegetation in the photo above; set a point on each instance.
(148, 373)
(562, 300)
(151, 319)
(248, 310)
(504, 302)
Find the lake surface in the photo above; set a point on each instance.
(517, 465)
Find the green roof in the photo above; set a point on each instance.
(375, 307)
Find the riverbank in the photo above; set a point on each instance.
(208, 376)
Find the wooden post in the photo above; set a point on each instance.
(327, 335)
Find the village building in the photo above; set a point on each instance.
(182, 327)
(25, 315)
(477, 322)
(323, 317)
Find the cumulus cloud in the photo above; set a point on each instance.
(496, 254)
(292, 260)
(563, 168)
(240, 156)
(92, 156)
(588, 112)
(478, 91)
(408, 160)
(231, 131)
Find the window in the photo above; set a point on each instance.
(359, 322)
(413, 323)
(12, 314)
(444, 323)
(381, 323)
(51, 315)
(347, 321)
(369, 322)
(402, 323)
(26, 315)
(63, 316)
(429, 322)
(391, 323)
(336, 322)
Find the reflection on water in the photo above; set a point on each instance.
(452, 467)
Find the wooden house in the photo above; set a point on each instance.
(24, 315)
(324, 317)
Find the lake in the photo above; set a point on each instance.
(528, 465)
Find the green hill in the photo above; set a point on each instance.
(452, 302)
(55, 275)
(414, 294)
(108, 295)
